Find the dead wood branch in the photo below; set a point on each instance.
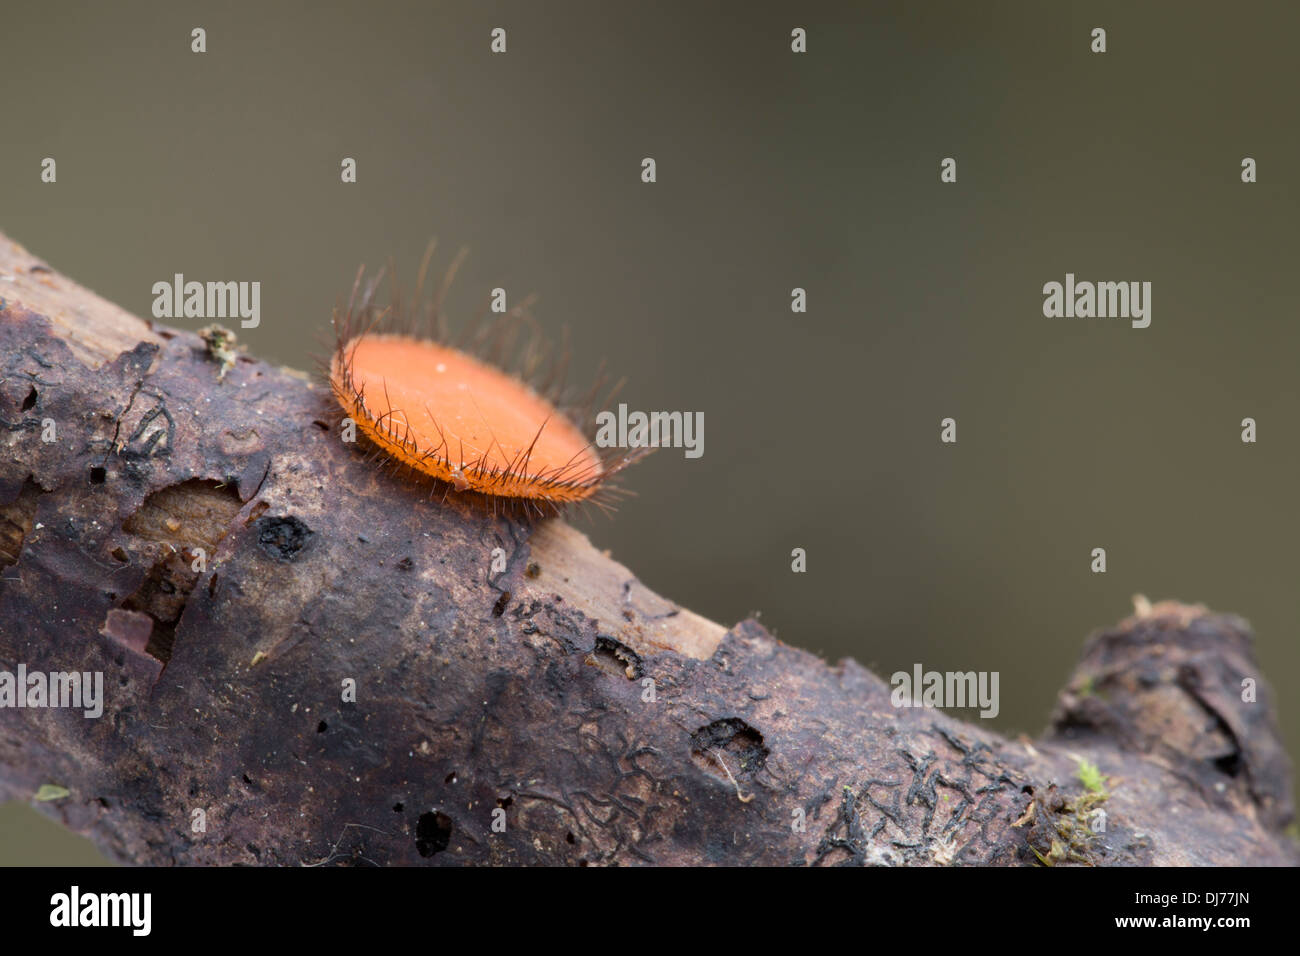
(211, 547)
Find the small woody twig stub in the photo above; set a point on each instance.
(307, 660)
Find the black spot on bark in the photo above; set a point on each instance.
(731, 738)
(283, 538)
(617, 658)
(500, 607)
(1230, 764)
(432, 833)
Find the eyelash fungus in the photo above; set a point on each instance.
(488, 419)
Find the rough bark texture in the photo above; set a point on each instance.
(522, 691)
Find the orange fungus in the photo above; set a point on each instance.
(457, 419)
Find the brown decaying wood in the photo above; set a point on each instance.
(522, 691)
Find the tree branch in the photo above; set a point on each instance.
(207, 543)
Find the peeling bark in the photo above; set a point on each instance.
(198, 534)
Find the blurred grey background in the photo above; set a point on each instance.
(775, 170)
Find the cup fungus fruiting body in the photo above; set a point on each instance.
(456, 419)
